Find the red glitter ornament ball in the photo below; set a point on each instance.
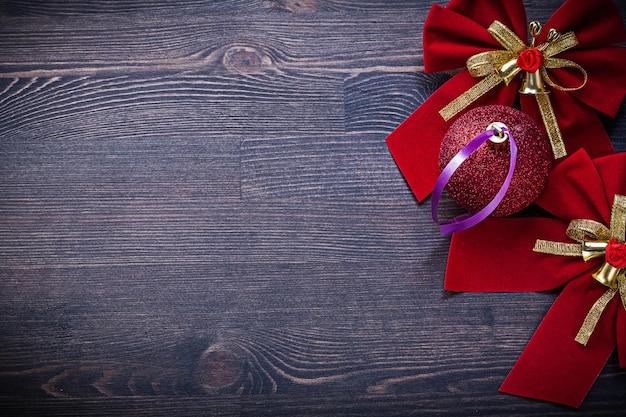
(480, 176)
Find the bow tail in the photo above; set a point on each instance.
(553, 366)
(415, 144)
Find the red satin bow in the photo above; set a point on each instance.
(553, 366)
(458, 31)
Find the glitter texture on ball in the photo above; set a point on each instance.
(478, 179)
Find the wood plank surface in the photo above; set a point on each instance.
(199, 216)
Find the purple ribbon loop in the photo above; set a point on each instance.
(467, 220)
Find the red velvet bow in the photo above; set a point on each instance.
(458, 31)
(553, 366)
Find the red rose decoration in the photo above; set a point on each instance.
(530, 59)
(616, 254)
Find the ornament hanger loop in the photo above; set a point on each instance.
(534, 29)
(499, 140)
(553, 35)
(500, 132)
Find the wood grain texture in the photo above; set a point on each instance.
(61, 8)
(199, 216)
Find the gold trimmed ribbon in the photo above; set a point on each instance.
(593, 238)
(502, 66)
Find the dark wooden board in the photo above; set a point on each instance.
(199, 216)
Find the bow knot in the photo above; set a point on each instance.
(505, 65)
(596, 240)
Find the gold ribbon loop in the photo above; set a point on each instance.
(502, 66)
(562, 63)
(487, 63)
(506, 37)
(593, 238)
(581, 230)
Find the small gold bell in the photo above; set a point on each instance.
(533, 84)
(592, 249)
(607, 275)
(508, 71)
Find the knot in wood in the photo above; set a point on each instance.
(218, 368)
(245, 59)
(295, 5)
